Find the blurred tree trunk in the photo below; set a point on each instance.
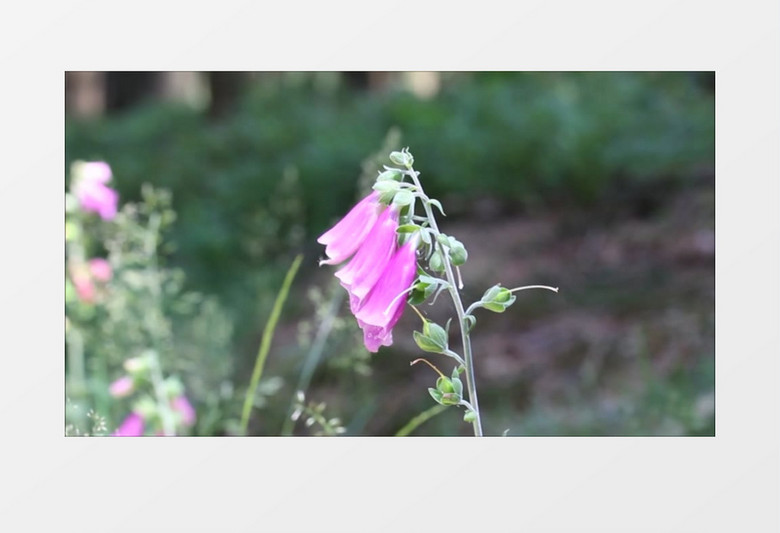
(85, 94)
(367, 81)
(226, 89)
(125, 90)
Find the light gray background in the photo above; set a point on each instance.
(727, 483)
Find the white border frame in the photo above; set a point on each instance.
(730, 482)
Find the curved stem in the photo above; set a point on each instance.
(554, 289)
(468, 356)
(455, 356)
(478, 303)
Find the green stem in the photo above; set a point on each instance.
(469, 360)
(154, 325)
(265, 343)
(76, 370)
(158, 384)
(420, 419)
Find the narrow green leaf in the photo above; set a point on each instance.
(437, 204)
(435, 394)
(407, 228)
(265, 343)
(420, 419)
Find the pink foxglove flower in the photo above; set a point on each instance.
(182, 406)
(91, 190)
(384, 304)
(82, 282)
(100, 269)
(362, 272)
(121, 387)
(343, 239)
(84, 276)
(132, 426)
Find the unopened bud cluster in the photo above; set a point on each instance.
(448, 391)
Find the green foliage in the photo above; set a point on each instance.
(144, 306)
(283, 167)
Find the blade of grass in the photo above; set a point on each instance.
(420, 419)
(265, 343)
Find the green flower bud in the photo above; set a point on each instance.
(403, 197)
(428, 344)
(173, 387)
(393, 174)
(436, 263)
(444, 385)
(136, 366)
(450, 398)
(436, 333)
(146, 407)
(497, 299)
(386, 186)
(458, 253)
(403, 158)
(469, 416)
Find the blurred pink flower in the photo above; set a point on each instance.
(100, 269)
(384, 304)
(132, 426)
(84, 275)
(343, 239)
(362, 272)
(121, 387)
(91, 189)
(82, 282)
(182, 405)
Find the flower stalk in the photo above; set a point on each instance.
(391, 246)
(468, 356)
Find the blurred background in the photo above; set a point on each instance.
(599, 183)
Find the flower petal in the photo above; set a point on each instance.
(343, 239)
(132, 426)
(182, 405)
(96, 171)
(384, 304)
(364, 269)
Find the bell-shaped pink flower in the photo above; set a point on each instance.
(82, 282)
(91, 190)
(364, 269)
(343, 239)
(121, 387)
(100, 269)
(132, 426)
(384, 304)
(182, 405)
